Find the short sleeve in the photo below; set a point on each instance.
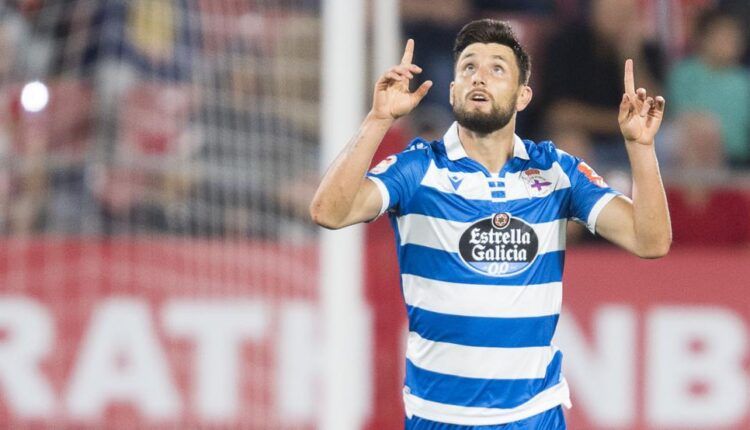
(398, 176)
(589, 193)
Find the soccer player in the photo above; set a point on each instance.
(480, 220)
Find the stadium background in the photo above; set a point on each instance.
(158, 268)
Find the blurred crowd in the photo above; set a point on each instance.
(194, 117)
(200, 117)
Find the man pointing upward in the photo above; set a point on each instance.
(480, 219)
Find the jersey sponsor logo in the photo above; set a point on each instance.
(384, 165)
(536, 184)
(500, 245)
(592, 176)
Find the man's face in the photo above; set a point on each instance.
(484, 94)
(723, 43)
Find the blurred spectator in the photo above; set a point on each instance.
(429, 122)
(706, 206)
(11, 29)
(155, 38)
(482, 7)
(44, 152)
(582, 86)
(740, 9)
(713, 81)
(261, 158)
(433, 26)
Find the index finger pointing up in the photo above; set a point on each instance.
(408, 52)
(629, 80)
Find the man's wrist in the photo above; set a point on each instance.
(374, 119)
(639, 153)
(638, 145)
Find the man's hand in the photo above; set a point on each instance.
(640, 115)
(392, 99)
(640, 225)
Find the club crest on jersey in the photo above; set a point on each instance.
(536, 184)
(500, 245)
(384, 165)
(501, 220)
(592, 176)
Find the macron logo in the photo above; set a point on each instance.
(456, 179)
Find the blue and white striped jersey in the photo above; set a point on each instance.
(481, 260)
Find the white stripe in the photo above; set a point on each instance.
(472, 187)
(558, 394)
(432, 232)
(551, 235)
(596, 210)
(384, 195)
(444, 235)
(479, 362)
(482, 300)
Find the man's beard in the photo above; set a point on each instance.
(484, 123)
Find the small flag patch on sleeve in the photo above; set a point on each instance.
(592, 176)
(384, 165)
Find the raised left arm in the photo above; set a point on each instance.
(640, 225)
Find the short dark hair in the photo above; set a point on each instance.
(494, 31)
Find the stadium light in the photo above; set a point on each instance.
(34, 97)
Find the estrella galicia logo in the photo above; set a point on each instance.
(500, 245)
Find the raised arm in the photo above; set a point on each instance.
(345, 196)
(642, 225)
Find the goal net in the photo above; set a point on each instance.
(157, 268)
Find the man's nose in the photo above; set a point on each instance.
(479, 77)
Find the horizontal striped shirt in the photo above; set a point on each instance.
(481, 258)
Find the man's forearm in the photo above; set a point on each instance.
(338, 189)
(653, 231)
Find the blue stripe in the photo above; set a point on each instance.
(496, 183)
(551, 419)
(498, 194)
(431, 202)
(484, 393)
(439, 265)
(482, 331)
(394, 225)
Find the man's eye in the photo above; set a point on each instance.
(470, 67)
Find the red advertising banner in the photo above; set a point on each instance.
(660, 344)
(165, 333)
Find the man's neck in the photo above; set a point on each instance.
(490, 150)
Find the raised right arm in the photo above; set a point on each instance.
(345, 196)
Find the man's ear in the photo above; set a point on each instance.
(450, 96)
(524, 98)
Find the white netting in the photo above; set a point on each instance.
(157, 267)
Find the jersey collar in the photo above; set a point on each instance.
(456, 151)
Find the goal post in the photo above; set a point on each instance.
(346, 335)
